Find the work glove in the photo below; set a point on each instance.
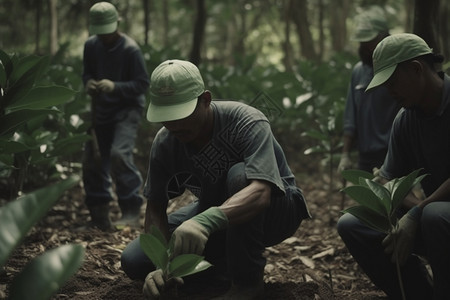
(157, 286)
(106, 86)
(400, 241)
(91, 87)
(191, 236)
(344, 163)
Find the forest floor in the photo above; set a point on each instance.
(312, 264)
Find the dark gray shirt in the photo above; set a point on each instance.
(368, 115)
(421, 142)
(241, 134)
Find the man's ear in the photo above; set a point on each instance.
(206, 96)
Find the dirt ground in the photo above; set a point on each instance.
(312, 264)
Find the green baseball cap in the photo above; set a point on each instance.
(369, 23)
(174, 88)
(393, 50)
(103, 17)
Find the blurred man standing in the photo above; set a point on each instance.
(368, 115)
(116, 78)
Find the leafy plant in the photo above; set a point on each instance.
(46, 273)
(29, 137)
(378, 203)
(159, 251)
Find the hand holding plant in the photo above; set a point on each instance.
(400, 241)
(378, 208)
(170, 269)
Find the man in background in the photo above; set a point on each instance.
(116, 78)
(368, 115)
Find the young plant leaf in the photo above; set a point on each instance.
(370, 218)
(404, 186)
(382, 193)
(187, 264)
(367, 198)
(354, 175)
(158, 234)
(44, 275)
(19, 216)
(155, 250)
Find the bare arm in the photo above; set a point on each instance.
(441, 194)
(248, 202)
(347, 139)
(155, 214)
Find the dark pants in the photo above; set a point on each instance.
(241, 245)
(116, 142)
(432, 241)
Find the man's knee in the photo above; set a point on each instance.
(346, 224)
(134, 262)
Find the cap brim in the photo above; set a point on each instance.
(165, 113)
(381, 77)
(103, 29)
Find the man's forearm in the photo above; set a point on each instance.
(441, 194)
(248, 202)
(156, 215)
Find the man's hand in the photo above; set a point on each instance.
(106, 86)
(191, 236)
(156, 285)
(400, 241)
(345, 162)
(91, 87)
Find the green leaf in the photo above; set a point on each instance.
(316, 134)
(382, 193)
(155, 250)
(69, 145)
(44, 275)
(187, 264)
(403, 187)
(18, 217)
(367, 198)
(354, 175)
(315, 149)
(158, 234)
(370, 218)
(6, 62)
(10, 122)
(43, 97)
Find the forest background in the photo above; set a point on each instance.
(292, 59)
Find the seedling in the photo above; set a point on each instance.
(379, 203)
(159, 251)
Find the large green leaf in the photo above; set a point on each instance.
(158, 234)
(18, 217)
(44, 275)
(403, 187)
(69, 145)
(367, 198)
(23, 77)
(382, 193)
(354, 175)
(155, 250)
(43, 97)
(187, 264)
(10, 122)
(371, 219)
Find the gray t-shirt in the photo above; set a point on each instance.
(241, 134)
(421, 142)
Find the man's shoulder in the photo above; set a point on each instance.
(236, 108)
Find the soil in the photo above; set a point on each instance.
(312, 264)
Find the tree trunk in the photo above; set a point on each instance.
(199, 33)
(445, 28)
(53, 11)
(37, 36)
(300, 18)
(165, 23)
(426, 22)
(287, 47)
(146, 5)
(338, 15)
(321, 29)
